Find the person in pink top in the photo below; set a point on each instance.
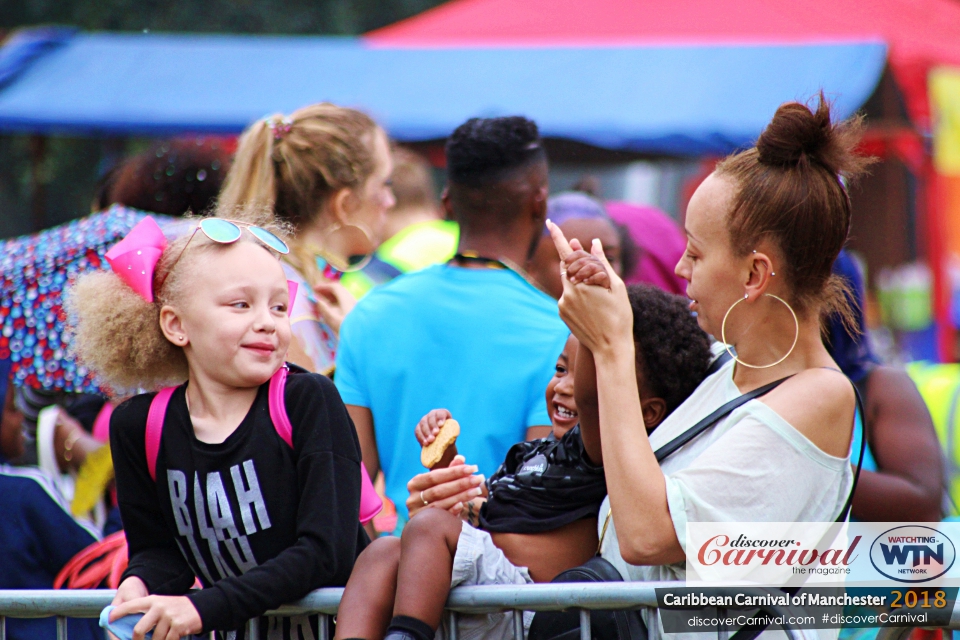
(661, 244)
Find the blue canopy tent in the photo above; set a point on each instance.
(677, 100)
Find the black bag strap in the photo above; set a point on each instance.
(750, 632)
(716, 415)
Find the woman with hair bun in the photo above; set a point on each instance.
(763, 231)
(325, 171)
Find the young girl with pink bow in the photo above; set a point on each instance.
(242, 476)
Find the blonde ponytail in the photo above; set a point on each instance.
(252, 180)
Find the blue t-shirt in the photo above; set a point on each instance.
(482, 343)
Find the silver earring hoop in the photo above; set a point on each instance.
(726, 345)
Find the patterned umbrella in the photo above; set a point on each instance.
(34, 270)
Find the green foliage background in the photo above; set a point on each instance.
(72, 165)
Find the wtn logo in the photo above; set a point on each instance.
(912, 554)
(922, 553)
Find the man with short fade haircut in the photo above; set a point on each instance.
(473, 336)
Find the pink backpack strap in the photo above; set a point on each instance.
(278, 406)
(158, 411)
(370, 502)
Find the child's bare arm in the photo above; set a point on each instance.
(585, 395)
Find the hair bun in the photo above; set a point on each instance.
(798, 136)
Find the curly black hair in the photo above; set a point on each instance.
(484, 151)
(673, 352)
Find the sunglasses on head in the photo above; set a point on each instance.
(223, 231)
(229, 231)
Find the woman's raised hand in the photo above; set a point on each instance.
(594, 303)
(445, 489)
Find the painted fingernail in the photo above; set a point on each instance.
(473, 468)
(476, 492)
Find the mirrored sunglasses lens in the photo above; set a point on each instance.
(220, 230)
(270, 240)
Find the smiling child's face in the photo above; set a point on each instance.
(235, 319)
(560, 403)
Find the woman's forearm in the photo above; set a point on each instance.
(635, 483)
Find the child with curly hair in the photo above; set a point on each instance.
(537, 515)
(210, 486)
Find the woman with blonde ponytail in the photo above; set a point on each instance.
(325, 171)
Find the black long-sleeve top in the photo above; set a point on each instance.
(259, 523)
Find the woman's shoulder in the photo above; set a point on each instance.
(819, 403)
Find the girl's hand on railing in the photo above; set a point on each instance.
(170, 617)
(445, 488)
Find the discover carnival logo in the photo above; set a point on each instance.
(912, 553)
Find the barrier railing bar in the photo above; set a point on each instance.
(22, 603)
(324, 627)
(517, 625)
(453, 634)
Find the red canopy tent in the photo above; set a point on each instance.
(920, 34)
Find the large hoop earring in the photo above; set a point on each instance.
(357, 238)
(723, 334)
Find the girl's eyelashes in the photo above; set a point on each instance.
(561, 370)
(240, 304)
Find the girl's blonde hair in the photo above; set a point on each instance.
(116, 332)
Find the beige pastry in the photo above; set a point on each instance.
(433, 453)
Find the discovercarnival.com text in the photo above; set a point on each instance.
(809, 622)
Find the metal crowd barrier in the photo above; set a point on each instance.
(586, 597)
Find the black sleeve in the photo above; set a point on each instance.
(328, 516)
(154, 555)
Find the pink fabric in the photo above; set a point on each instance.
(158, 411)
(135, 257)
(661, 243)
(292, 287)
(101, 426)
(278, 407)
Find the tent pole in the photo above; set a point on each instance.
(38, 188)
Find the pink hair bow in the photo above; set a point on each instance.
(135, 257)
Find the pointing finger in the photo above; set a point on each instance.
(563, 247)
